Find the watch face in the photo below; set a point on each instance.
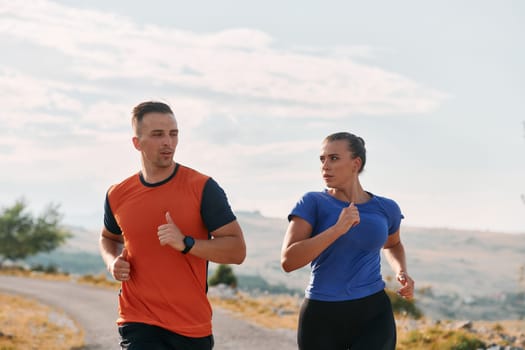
(188, 243)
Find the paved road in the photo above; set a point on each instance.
(96, 309)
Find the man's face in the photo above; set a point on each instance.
(156, 138)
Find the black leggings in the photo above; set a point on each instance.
(140, 336)
(362, 324)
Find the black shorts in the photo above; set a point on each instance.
(140, 336)
(361, 324)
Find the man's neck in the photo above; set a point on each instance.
(153, 174)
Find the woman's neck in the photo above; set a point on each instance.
(352, 193)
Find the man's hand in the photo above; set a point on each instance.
(169, 234)
(120, 268)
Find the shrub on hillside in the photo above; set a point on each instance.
(224, 274)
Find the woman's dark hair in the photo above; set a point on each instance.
(356, 145)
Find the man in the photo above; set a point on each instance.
(161, 227)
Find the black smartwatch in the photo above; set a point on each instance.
(188, 244)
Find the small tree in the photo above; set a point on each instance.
(21, 235)
(224, 274)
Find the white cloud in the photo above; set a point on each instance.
(21, 92)
(238, 63)
(75, 125)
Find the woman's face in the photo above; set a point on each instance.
(338, 167)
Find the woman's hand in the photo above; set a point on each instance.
(407, 285)
(348, 218)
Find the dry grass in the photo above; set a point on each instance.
(96, 280)
(267, 311)
(20, 272)
(99, 281)
(26, 324)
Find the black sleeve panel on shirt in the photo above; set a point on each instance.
(215, 209)
(109, 220)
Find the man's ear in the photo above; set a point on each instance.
(136, 142)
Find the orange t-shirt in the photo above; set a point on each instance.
(166, 288)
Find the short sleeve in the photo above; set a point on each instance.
(109, 219)
(305, 208)
(215, 209)
(394, 216)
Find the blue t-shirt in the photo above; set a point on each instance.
(350, 268)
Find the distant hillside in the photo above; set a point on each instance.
(84, 240)
(459, 274)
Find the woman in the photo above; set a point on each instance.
(341, 231)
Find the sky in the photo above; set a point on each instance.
(435, 89)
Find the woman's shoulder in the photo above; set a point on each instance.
(309, 199)
(313, 195)
(392, 212)
(382, 199)
(387, 203)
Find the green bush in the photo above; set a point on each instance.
(224, 274)
(466, 343)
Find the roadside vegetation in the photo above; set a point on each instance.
(415, 332)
